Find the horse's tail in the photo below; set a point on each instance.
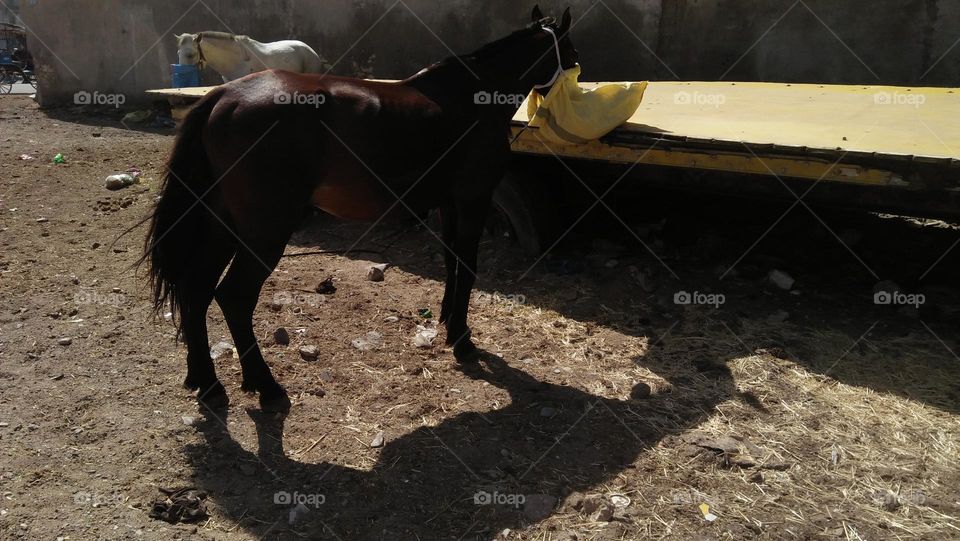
(179, 214)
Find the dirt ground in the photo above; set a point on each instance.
(604, 409)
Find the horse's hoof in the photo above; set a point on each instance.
(276, 404)
(214, 399)
(248, 388)
(190, 383)
(465, 352)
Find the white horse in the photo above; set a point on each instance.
(234, 56)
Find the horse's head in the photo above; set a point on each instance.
(534, 56)
(188, 48)
(553, 47)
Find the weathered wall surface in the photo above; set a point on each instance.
(831, 41)
(125, 46)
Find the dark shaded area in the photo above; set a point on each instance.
(669, 242)
(425, 483)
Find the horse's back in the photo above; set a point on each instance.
(291, 55)
(349, 136)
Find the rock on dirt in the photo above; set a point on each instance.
(424, 337)
(537, 507)
(781, 279)
(723, 444)
(378, 440)
(118, 182)
(179, 505)
(326, 287)
(65, 341)
(780, 316)
(644, 277)
(297, 513)
(640, 391)
(620, 501)
(309, 353)
(281, 337)
(376, 272)
(371, 340)
(597, 509)
(221, 349)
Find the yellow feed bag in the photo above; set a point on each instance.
(570, 115)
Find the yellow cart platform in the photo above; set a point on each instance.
(837, 133)
(899, 146)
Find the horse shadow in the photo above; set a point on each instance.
(837, 299)
(469, 477)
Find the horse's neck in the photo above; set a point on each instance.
(225, 54)
(462, 74)
(454, 83)
(505, 73)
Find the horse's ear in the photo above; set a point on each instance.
(565, 21)
(537, 14)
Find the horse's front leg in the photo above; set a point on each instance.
(470, 218)
(448, 235)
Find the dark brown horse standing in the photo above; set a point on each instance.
(254, 152)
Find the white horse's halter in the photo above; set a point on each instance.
(201, 60)
(556, 74)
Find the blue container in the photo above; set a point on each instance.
(184, 75)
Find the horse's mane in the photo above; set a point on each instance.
(493, 47)
(221, 35)
(496, 46)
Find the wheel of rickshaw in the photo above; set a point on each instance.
(6, 81)
(29, 78)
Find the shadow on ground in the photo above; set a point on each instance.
(433, 483)
(624, 275)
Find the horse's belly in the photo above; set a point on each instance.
(360, 198)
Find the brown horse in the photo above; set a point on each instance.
(253, 152)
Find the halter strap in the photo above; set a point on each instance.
(202, 59)
(556, 48)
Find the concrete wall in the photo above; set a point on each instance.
(834, 41)
(125, 46)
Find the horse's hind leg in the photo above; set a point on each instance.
(215, 249)
(237, 296)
